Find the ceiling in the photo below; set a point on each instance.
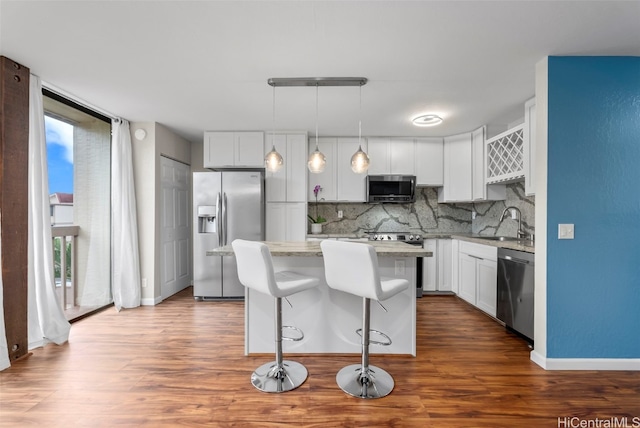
(203, 65)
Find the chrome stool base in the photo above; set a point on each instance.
(377, 384)
(269, 378)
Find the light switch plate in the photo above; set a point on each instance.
(565, 231)
(400, 267)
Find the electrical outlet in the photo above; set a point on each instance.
(473, 215)
(514, 214)
(400, 267)
(340, 213)
(144, 282)
(565, 231)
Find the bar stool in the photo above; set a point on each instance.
(255, 271)
(352, 267)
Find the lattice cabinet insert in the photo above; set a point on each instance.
(505, 156)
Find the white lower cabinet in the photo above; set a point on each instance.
(437, 270)
(286, 221)
(478, 275)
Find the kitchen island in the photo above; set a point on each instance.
(328, 317)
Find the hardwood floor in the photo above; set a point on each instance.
(181, 363)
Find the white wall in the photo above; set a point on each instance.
(159, 141)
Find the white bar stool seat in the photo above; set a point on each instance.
(255, 271)
(352, 267)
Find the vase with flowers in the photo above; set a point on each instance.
(318, 220)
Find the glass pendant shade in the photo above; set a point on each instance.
(317, 161)
(273, 160)
(359, 161)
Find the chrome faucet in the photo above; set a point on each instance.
(521, 233)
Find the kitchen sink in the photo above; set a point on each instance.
(499, 238)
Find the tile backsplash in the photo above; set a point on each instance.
(426, 215)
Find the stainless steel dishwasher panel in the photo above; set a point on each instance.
(516, 290)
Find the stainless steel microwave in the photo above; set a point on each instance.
(391, 188)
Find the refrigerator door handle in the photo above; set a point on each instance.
(224, 218)
(218, 219)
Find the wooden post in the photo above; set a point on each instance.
(14, 164)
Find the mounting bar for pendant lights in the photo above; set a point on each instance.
(317, 81)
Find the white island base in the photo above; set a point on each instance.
(330, 318)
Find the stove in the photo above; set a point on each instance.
(406, 237)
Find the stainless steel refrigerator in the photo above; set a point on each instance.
(227, 205)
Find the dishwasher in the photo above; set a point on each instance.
(516, 291)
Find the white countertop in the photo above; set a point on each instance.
(312, 249)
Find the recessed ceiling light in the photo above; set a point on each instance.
(427, 120)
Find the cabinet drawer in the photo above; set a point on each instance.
(486, 252)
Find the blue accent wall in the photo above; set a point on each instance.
(593, 281)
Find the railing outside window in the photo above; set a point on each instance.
(64, 262)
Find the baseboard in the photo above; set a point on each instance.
(152, 301)
(585, 363)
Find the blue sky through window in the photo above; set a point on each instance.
(59, 137)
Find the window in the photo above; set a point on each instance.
(79, 164)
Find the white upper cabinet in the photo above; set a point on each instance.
(402, 153)
(458, 157)
(465, 170)
(289, 184)
(233, 150)
(339, 183)
(378, 151)
(391, 156)
(429, 161)
(529, 132)
(478, 165)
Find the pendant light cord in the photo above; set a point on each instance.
(273, 123)
(360, 120)
(317, 149)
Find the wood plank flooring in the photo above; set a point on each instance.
(181, 363)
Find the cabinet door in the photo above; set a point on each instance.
(327, 178)
(487, 288)
(296, 219)
(350, 186)
(276, 182)
(296, 168)
(402, 155)
(444, 280)
(429, 161)
(457, 169)
(218, 149)
(430, 266)
(379, 158)
(276, 221)
(467, 278)
(478, 165)
(529, 143)
(249, 148)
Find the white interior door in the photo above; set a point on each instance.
(175, 237)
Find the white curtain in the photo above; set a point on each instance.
(4, 349)
(126, 259)
(46, 319)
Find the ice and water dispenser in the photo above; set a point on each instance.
(207, 219)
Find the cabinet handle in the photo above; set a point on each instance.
(514, 259)
(475, 257)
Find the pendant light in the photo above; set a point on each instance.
(317, 160)
(273, 160)
(360, 160)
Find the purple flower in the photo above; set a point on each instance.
(316, 190)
